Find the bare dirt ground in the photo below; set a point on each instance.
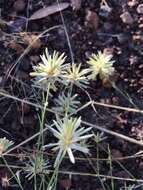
(90, 26)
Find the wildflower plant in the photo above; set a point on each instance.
(69, 134)
(36, 165)
(77, 76)
(4, 145)
(101, 64)
(67, 130)
(51, 69)
(66, 104)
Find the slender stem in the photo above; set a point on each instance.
(53, 180)
(97, 156)
(45, 102)
(125, 95)
(111, 167)
(41, 137)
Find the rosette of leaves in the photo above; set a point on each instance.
(37, 165)
(66, 104)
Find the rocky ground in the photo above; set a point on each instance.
(114, 26)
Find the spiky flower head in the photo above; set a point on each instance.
(101, 64)
(69, 135)
(4, 145)
(76, 75)
(66, 104)
(51, 68)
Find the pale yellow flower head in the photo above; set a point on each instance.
(101, 64)
(52, 66)
(76, 75)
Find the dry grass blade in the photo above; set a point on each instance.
(44, 12)
(73, 173)
(23, 101)
(118, 107)
(129, 139)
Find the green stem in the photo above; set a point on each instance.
(41, 137)
(45, 102)
(70, 93)
(53, 180)
(111, 167)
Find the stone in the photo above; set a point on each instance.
(132, 3)
(127, 18)
(140, 9)
(91, 19)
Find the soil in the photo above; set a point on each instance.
(90, 28)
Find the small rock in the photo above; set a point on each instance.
(91, 19)
(108, 51)
(76, 4)
(19, 5)
(141, 25)
(132, 3)
(115, 101)
(127, 18)
(140, 9)
(133, 59)
(141, 82)
(105, 10)
(137, 38)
